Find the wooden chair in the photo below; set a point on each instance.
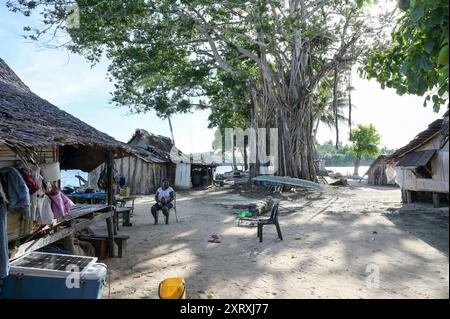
(272, 220)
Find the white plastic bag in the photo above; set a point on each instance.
(45, 210)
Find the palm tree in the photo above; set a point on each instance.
(323, 111)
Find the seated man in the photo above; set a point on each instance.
(164, 197)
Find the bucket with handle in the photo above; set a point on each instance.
(51, 172)
(172, 288)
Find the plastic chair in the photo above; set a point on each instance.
(272, 220)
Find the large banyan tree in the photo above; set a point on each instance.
(173, 55)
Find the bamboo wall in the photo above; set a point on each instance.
(143, 178)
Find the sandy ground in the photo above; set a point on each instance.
(335, 244)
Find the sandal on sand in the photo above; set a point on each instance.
(215, 236)
(215, 241)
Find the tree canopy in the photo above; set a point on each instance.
(342, 156)
(255, 63)
(416, 60)
(365, 141)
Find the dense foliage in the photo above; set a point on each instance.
(342, 156)
(416, 60)
(255, 63)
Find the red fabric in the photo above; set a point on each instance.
(32, 185)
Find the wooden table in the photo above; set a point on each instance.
(80, 217)
(123, 200)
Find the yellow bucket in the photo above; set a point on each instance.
(172, 288)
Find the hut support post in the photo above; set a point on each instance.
(436, 201)
(110, 196)
(409, 199)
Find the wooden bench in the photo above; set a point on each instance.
(120, 240)
(126, 216)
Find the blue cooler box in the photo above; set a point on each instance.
(40, 275)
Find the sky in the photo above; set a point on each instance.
(69, 82)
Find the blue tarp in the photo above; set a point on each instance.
(288, 181)
(99, 195)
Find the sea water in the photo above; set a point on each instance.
(68, 177)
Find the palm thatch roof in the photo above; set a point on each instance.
(160, 149)
(157, 148)
(28, 122)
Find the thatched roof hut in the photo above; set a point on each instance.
(380, 172)
(28, 122)
(157, 147)
(184, 171)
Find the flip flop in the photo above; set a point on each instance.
(215, 241)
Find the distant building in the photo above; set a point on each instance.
(159, 158)
(380, 172)
(422, 165)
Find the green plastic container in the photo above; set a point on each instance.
(244, 213)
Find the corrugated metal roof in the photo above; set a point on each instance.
(416, 159)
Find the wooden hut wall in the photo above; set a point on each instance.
(143, 177)
(386, 170)
(18, 227)
(439, 166)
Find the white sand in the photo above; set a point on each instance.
(328, 242)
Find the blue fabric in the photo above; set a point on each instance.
(4, 258)
(17, 191)
(99, 195)
(122, 181)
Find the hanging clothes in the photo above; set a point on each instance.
(18, 198)
(30, 180)
(3, 197)
(61, 204)
(4, 258)
(33, 179)
(17, 191)
(45, 210)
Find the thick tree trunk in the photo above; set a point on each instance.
(297, 152)
(296, 149)
(357, 164)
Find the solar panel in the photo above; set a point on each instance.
(53, 262)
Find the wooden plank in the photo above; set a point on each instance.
(49, 239)
(110, 195)
(84, 209)
(409, 198)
